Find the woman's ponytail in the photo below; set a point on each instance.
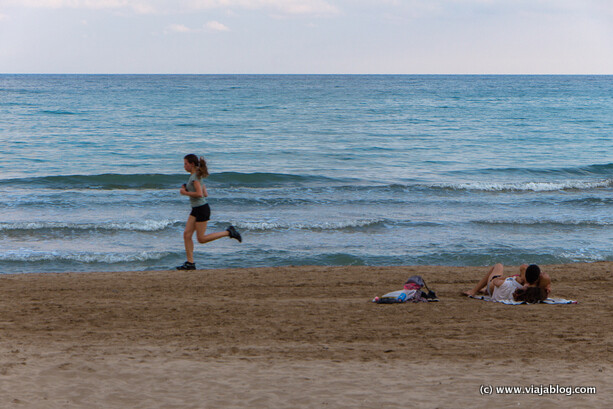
(202, 170)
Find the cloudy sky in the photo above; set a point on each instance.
(307, 36)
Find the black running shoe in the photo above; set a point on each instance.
(234, 234)
(187, 266)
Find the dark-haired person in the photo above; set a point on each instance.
(201, 212)
(534, 277)
(502, 288)
(531, 295)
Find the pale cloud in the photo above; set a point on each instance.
(138, 6)
(57, 4)
(216, 26)
(291, 7)
(542, 6)
(502, 6)
(322, 36)
(209, 26)
(321, 8)
(285, 7)
(179, 28)
(406, 10)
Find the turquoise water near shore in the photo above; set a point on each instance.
(327, 170)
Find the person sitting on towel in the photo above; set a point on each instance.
(503, 288)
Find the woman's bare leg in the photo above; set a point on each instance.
(205, 238)
(495, 270)
(190, 227)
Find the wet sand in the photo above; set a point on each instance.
(298, 337)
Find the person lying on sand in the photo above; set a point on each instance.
(530, 285)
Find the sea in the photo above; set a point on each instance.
(366, 170)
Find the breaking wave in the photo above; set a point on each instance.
(141, 226)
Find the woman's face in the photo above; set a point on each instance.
(187, 166)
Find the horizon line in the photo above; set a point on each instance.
(303, 74)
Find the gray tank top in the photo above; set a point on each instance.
(194, 201)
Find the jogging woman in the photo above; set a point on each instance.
(201, 212)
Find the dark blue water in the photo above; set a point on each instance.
(327, 170)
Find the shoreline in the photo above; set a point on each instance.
(429, 267)
(299, 336)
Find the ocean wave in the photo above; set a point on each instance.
(340, 225)
(57, 112)
(498, 187)
(106, 181)
(291, 183)
(111, 181)
(463, 257)
(142, 226)
(604, 169)
(20, 261)
(546, 222)
(25, 255)
(530, 186)
(259, 179)
(190, 125)
(585, 255)
(99, 200)
(591, 201)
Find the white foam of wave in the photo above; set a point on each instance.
(145, 225)
(266, 225)
(532, 186)
(539, 222)
(25, 255)
(583, 255)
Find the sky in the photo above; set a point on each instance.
(307, 37)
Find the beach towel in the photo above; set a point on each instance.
(512, 302)
(401, 296)
(410, 293)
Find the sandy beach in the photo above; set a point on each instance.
(298, 337)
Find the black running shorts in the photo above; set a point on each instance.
(201, 213)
